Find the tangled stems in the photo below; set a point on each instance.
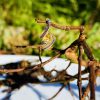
(92, 66)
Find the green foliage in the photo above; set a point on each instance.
(22, 13)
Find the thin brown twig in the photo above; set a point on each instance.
(40, 55)
(91, 68)
(45, 62)
(79, 72)
(92, 80)
(87, 90)
(11, 70)
(61, 27)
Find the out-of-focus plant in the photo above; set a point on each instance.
(21, 13)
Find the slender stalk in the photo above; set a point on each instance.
(92, 80)
(11, 70)
(44, 63)
(40, 55)
(87, 50)
(61, 27)
(91, 65)
(79, 71)
(87, 90)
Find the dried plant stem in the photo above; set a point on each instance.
(87, 90)
(62, 81)
(40, 55)
(11, 70)
(44, 63)
(92, 80)
(61, 27)
(87, 50)
(92, 67)
(36, 67)
(79, 71)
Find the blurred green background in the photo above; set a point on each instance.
(18, 25)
